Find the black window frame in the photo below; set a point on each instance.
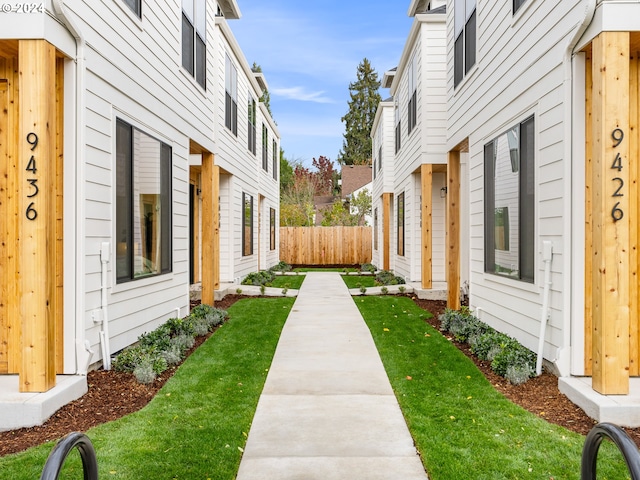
(398, 131)
(231, 97)
(125, 217)
(251, 125)
(275, 159)
(265, 147)
(272, 229)
(465, 48)
(401, 209)
(526, 241)
(194, 43)
(412, 109)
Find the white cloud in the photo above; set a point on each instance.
(301, 94)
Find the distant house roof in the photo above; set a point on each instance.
(355, 177)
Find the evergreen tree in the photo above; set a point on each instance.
(356, 146)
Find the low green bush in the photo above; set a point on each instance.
(263, 277)
(281, 266)
(167, 344)
(368, 267)
(508, 357)
(387, 277)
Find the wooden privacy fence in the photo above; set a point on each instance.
(325, 245)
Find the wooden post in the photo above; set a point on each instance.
(426, 180)
(634, 150)
(588, 219)
(37, 186)
(453, 230)
(386, 229)
(210, 228)
(610, 198)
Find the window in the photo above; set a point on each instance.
(465, 38)
(272, 228)
(374, 167)
(143, 204)
(509, 242)
(398, 129)
(375, 228)
(275, 160)
(517, 4)
(413, 96)
(194, 39)
(252, 125)
(247, 225)
(401, 224)
(230, 96)
(135, 6)
(265, 148)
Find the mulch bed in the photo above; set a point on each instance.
(113, 394)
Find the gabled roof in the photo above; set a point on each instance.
(355, 177)
(426, 6)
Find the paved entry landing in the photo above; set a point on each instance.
(327, 410)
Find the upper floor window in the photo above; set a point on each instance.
(398, 128)
(252, 125)
(413, 95)
(274, 160)
(265, 148)
(379, 159)
(465, 38)
(509, 207)
(231, 96)
(143, 204)
(135, 6)
(517, 4)
(194, 39)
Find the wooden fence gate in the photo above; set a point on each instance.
(325, 245)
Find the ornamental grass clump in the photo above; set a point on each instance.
(508, 357)
(261, 278)
(281, 267)
(168, 344)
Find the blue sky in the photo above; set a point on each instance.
(309, 53)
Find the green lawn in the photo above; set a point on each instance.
(461, 425)
(357, 281)
(197, 425)
(289, 281)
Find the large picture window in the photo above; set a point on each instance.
(230, 96)
(509, 203)
(401, 224)
(464, 48)
(194, 39)
(143, 204)
(247, 225)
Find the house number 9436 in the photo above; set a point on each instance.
(616, 212)
(31, 213)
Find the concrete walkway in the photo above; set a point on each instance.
(327, 410)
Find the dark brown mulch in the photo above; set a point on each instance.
(112, 395)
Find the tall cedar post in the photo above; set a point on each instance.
(426, 180)
(453, 230)
(610, 200)
(37, 216)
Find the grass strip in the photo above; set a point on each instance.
(357, 281)
(197, 425)
(288, 281)
(461, 425)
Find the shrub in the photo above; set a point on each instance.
(368, 267)
(144, 372)
(281, 266)
(518, 374)
(387, 277)
(402, 289)
(515, 355)
(384, 290)
(482, 344)
(129, 358)
(263, 277)
(181, 326)
(363, 290)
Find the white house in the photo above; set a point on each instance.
(409, 135)
(121, 183)
(542, 143)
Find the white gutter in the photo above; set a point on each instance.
(83, 350)
(589, 12)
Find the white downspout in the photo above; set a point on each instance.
(83, 350)
(104, 334)
(590, 9)
(547, 256)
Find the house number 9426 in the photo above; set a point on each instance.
(31, 213)
(616, 212)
